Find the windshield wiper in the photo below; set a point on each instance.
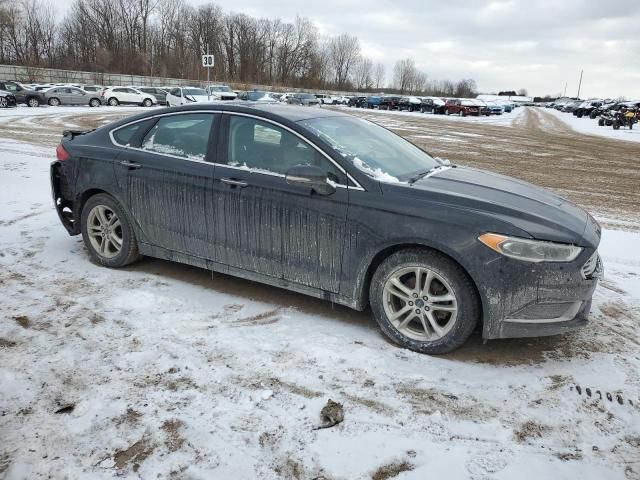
(426, 173)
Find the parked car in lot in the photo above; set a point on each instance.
(7, 99)
(256, 96)
(462, 107)
(495, 108)
(432, 105)
(184, 95)
(586, 107)
(306, 99)
(221, 92)
(23, 95)
(358, 102)
(484, 109)
(114, 96)
(71, 96)
(389, 102)
(325, 99)
(411, 104)
(440, 248)
(159, 93)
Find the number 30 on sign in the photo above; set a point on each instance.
(207, 61)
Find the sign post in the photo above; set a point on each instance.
(207, 62)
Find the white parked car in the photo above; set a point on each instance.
(115, 96)
(285, 97)
(184, 95)
(222, 92)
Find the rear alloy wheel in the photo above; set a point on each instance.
(424, 301)
(113, 102)
(54, 102)
(107, 232)
(94, 102)
(33, 102)
(147, 102)
(4, 103)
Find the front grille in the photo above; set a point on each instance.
(592, 268)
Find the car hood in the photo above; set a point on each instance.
(197, 98)
(539, 212)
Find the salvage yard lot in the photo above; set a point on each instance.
(162, 370)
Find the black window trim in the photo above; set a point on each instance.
(353, 184)
(211, 152)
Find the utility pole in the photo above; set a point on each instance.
(580, 83)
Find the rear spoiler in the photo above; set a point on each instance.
(71, 134)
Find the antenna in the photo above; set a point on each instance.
(580, 83)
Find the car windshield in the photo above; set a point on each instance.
(258, 95)
(374, 150)
(194, 91)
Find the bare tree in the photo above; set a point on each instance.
(404, 73)
(523, 92)
(344, 51)
(363, 74)
(379, 73)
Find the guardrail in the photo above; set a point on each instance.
(50, 75)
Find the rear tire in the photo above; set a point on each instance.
(54, 102)
(94, 102)
(147, 102)
(616, 125)
(446, 112)
(107, 232)
(4, 103)
(33, 102)
(601, 122)
(440, 312)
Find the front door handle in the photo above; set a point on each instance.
(130, 165)
(234, 183)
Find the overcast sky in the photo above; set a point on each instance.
(506, 44)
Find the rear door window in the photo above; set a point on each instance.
(184, 136)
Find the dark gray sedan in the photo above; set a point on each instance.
(71, 96)
(335, 207)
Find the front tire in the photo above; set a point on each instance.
(424, 301)
(94, 102)
(113, 102)
(54, 102)
(33, 102)
(4, 103)
(107, 232)
(147, 102)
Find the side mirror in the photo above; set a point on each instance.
(312, 177)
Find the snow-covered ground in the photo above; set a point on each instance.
(590, 127)
(165, 371)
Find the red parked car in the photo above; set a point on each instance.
(464, 107)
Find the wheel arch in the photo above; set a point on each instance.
(381, 255)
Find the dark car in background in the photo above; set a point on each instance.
(389, 102)
(7, 99)
(23, 95)
(411, 104)
(336, 207)
(374, 101)
(358, 102)
(256, 96)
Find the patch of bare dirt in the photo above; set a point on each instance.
(174, 440)
(22, 320)
(391, 470)
(530, 430)
(134, 455)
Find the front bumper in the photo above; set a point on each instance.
(534, 300)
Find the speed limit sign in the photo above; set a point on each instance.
(207, 61)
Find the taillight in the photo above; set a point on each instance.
(61, 153)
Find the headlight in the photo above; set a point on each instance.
(530, 250)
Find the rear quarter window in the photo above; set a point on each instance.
(125, 135)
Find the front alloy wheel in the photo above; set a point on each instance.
(33, 102)
(424, 301)
(420, 303)
(4, 103)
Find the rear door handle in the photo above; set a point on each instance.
(130, 165)
(234, 183)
